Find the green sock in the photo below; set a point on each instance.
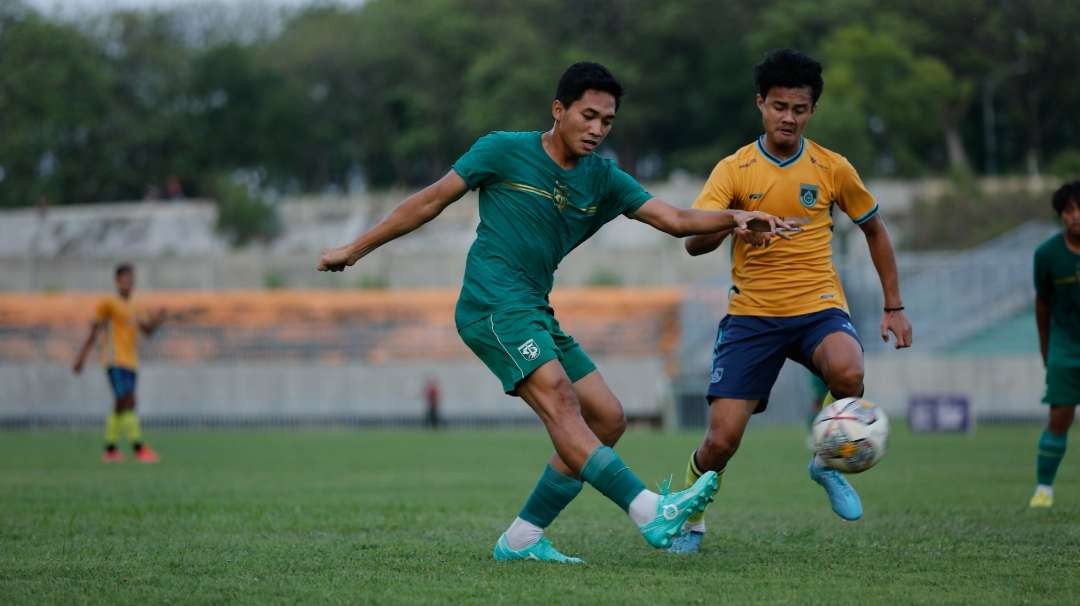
(1051, 451)
(553, 492)
(608, 474)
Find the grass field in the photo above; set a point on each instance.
(398, 516)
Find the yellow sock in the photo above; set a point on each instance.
(829, 399)
(130, 423)
(112, 428)
(692, 475)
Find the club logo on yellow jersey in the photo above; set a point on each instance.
(808, 194)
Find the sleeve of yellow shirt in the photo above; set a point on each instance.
(854, 199)
(719, 190)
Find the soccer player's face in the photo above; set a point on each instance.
(125, 282)
(1070, 216)
(785, 112)
(586, 123)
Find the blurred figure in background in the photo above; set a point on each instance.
(120, 320)
(432, 396)
(1057, 314)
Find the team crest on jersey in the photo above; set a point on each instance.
(808, 194)
(529, 350)
(560, 196)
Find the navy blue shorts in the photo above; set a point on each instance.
(750, 350)
(122, 381)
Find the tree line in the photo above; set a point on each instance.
(132, 104)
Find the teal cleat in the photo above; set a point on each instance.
(687, 542)
(541, 551)
(674, 508)
(843, 498)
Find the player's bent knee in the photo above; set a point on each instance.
(1061, 418)
(847, 383)
(611, 428)
(717, 449)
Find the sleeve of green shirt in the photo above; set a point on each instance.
(482, 164)
(624, 195)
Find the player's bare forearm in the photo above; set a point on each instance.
(884, 258)
(413, 212)
(80, 358)
(893, 319)
(680, 222)
(150, 325)
(1042, 321)
(705, 243)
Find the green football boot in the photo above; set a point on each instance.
(541, 551)
(674, 508)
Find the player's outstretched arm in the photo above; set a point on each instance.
(413, 212)
(80, 358)
(680, 222)
(893, 318)
(149, 325)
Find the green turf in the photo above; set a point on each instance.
(382, 517)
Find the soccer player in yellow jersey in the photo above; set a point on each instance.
(121, 322)
(787, 301)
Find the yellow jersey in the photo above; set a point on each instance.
(796, 276)
(120, 345)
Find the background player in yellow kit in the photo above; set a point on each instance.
(120, 320)
(787, 301)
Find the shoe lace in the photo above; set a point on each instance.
(664, 487)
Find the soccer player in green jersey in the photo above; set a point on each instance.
(541, 195)
(1057, 314)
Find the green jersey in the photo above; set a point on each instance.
(533, 213)
(1057, 282)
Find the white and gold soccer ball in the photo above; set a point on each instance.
(850, 435)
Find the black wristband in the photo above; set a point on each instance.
(901, 308)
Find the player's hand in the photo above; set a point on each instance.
(755, 220)
(78, 365)
(336, 259)
(756, 239)
(896, 322)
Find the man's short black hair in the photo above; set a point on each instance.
(124, 268)
(788, 68)
(1070, 192)
(584, 76)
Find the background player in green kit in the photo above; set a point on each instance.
(1057, 314)
(541, 195)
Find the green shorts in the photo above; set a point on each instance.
(1062, 385)
(512, 344)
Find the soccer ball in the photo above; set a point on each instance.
(850, 434)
